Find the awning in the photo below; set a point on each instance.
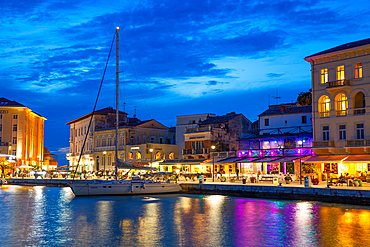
(181, 162)
(248, 160)
(127, 165)
(230, 160)
(357, 158)
(326, 159)
(24, 166)
(286, 159)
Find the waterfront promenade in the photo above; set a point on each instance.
(267, 190)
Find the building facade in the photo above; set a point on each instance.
(341, 108)
(21, 133)
(284, 141)
(140, 142)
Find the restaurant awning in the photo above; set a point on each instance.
(248, 160)
(357, 158)
(326, 159)
(127, 165)
(181, 162)
(286, 159)
(230, 160)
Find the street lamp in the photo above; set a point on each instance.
(300, 143)
(213, 165)
(104, 161)
(151, 156)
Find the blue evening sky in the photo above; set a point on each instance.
(178, 57)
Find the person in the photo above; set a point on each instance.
(237, 173)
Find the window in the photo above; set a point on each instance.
(1, 116)
(79, 132)
(0, 139)
(98, 142)
(324, 106)
(15, 116)
(341, 105)
(161, 140)
(130, 155)
(342, 132)
(138, 155)
(325, 133)
(267, 122)
(103, 142)
(109, 160)
(121, 140)
(132, 139)
(14, 140)
(359, 104)
(109, 141)
(85, 130)
(14, 152)
(144, 139)
(324, 76)
(360, 131)
(304, 119)
(152, 139)
(14, 127)
(358, 70)
(1, 127)
(340, 72)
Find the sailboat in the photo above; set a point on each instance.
(135, 186)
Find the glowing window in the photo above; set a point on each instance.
(130, 155)
(158, 155)
(171, 156)
(358, 70)
(138, 155)
(340, 72)
(324, 106)
(341, 105)
(324, 76)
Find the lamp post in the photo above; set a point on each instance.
(300, 161)
(213, 164)
(104, 161)
(151, 156)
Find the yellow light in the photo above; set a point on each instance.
(213, 146)
(117, 28)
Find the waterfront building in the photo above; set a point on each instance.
(283, 141)
(341, 108)
(21, 134)
(140, 142)
(222, 132)
(50, 160)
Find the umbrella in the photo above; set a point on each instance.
(23, 166)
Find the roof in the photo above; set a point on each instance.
(282, 110)
(220, 119)
(9, 103)
(104, 111)
(342, 47)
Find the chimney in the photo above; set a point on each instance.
(282, 108)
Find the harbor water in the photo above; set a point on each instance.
(50, 216)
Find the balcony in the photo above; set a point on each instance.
(206, 129)
(108, 148)
(341, 113)
(359, 111)
(323, 144)
(324, 114)
(5, 144)
(358, 143)
(338, 83)
(195, 151)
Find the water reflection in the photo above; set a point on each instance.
(42, 216)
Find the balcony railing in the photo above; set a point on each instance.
(195, 151)
(322, 144)
(206, 129)
(338, 83)
(341, 113)
(324, 114)
(358, 143)
(359, 111)
(3, 144)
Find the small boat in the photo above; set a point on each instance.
(135, 186)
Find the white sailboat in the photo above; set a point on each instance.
(135, 186)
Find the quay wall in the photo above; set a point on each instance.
(331, 195)
(42, 182)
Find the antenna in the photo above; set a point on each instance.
(276, 97)
(135, 112)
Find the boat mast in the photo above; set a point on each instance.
(117, 114)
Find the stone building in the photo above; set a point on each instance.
(21, 133)
(140, 142)
(341, 108)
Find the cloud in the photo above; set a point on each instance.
(274, 75)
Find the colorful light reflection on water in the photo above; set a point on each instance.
(43, 216)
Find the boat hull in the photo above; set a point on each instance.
(102, 189)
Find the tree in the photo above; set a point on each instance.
(4, 165)
(305, 98)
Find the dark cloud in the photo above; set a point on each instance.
(274, 75)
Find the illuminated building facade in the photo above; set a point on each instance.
(341, 108)
(283, 141)
(21, 133)
(140, 142)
